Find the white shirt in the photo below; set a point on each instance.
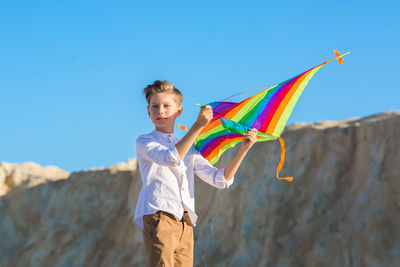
(167, 181)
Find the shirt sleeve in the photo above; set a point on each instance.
(208, 173)
(150, 150)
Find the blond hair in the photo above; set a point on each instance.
(162, 87)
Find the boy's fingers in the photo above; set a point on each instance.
(207, 109)
(252, 132)
(251, 135)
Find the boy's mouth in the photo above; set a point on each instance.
(161, 118)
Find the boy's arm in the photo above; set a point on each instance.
(223, 178)
(249, 140)
(204, 117)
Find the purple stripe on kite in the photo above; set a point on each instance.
(264, 114)
(274, 95)
(207, 142)
(271, 98)
(222, 106)
(213, 142)
(278, 101)
(212, 148)
(209, 148)
(253, 123)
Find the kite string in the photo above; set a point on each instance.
(338, 57)
(267, 88)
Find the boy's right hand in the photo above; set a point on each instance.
(205, 116)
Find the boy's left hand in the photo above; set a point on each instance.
(250, 138)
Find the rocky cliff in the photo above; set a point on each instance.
(342, 209)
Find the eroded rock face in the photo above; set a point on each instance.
(342, 209)
(79, 221)
(27, 174)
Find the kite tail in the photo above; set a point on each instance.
(278, 170)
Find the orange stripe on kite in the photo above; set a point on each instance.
(285, 101)
(220, 146)
(235, 110)
(211, 125)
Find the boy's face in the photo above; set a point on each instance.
(163, 110)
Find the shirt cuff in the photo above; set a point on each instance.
(220, 178)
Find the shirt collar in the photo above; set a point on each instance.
(163, 135)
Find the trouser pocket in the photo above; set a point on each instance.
(150, 223)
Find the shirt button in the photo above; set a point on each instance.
(183, 189)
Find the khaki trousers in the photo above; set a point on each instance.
(168, 242)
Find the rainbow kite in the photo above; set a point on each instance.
(267, 111)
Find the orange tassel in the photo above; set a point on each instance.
(183, 127)
(340, 60)
(278, 170)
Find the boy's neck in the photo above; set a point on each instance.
(166, 131)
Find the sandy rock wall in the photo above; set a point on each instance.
(342, 209)
(80, 221)
(27, 174)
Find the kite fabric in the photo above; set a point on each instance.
(267, 111)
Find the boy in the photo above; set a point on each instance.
(165, 208)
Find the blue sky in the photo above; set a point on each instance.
(72, 72)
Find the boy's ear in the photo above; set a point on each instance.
(148, 110)
(180, 109)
